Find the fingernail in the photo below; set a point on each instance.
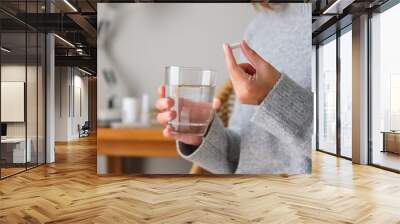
(243, 43)
(225, 46)
(166, 133)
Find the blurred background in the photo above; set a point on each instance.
(51, 47)
(135, 44)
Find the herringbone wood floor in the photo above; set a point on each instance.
(69, 191)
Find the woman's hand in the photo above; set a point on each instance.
(251, 82)
(164, 105)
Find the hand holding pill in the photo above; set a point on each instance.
(251, 81)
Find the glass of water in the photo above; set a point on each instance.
(192, 90)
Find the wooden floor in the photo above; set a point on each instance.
(10, 171)
(69, 191)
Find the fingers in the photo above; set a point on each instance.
(235, 73)
(216, 105)
(161, 91)
(164, 117)
(164, 104)
(255, 59)
(229, 58)
(167, 132)
(248, 68)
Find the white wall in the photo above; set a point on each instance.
(68, 82)
(61, 103)
(79, 117)
(12, 73)
(137, 48)
(33, 126)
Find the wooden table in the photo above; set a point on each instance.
(391, 141)
(141, 142)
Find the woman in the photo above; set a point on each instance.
(270, 128)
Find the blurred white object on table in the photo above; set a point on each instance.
(145, 110)
(130, 110)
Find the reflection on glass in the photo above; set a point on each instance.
(14, 153)
(346, 94)
(394, 101)
(31, 100)
(22, 92)
(314, 88)
(385, 114)
(327, 97)
(41, 98)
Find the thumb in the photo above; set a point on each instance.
(255, 59)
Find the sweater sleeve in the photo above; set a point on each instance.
(287, 112)
(218, 152)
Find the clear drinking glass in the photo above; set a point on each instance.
(192, 90)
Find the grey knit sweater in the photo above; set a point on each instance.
(275, 136)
